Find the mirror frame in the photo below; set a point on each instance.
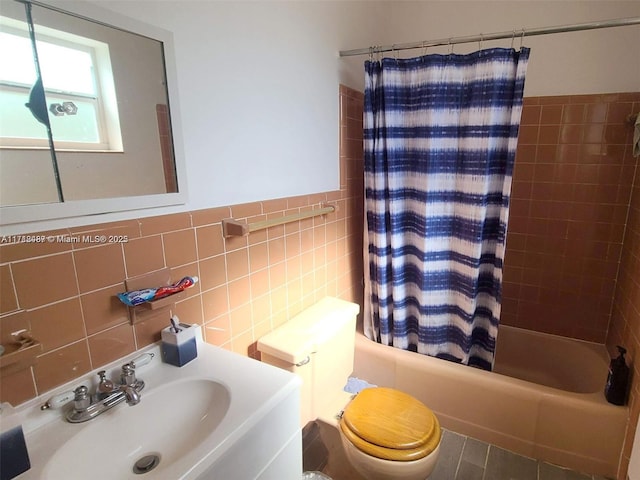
(14, 215)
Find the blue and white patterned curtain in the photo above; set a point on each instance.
(440, 134)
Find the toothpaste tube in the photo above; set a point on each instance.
(183, 284)
(137, 297)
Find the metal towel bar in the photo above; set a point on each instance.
(234, 228)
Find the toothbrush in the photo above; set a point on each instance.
(174, 323)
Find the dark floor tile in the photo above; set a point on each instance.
(450, 451)
(547, 471)
(469, 471)
(505, 465)
(314, 452)
(475, 452)
(461, 458)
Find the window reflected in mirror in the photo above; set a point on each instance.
(106, 102)
(72, 68)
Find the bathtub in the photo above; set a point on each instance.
(544, 400)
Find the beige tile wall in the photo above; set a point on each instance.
(574, 227)
(64, 293)
(570, 199)
(625, 317)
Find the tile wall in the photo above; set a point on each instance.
(570, 200)
(572, 263)
(64, 292)
(625, 317)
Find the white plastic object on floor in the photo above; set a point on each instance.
(315, 476)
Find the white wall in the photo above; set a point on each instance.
(258, 81)
(594, 61)
(259, 92)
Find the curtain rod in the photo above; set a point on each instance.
(523, 32)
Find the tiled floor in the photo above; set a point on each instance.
(465, 458)
(461, 458)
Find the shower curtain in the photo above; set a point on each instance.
(440, 135)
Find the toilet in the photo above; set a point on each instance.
(386, 434)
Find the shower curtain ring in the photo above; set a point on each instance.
(513, 37)
(480, 41)
(521, 38)
(424, 48)
(450, 46)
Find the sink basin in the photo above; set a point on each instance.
(222, 415)
(164, 427)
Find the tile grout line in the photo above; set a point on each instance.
(455, 474)
(486, 462)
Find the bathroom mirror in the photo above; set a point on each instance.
(110, 97)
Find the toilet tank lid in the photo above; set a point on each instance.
(293, 341)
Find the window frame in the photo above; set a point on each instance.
(107, 123)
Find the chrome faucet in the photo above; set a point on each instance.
(131, 395)
(108, 394)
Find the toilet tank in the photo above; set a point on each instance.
(318, 345)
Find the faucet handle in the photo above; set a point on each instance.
(128, 374)
(105, 387)
(81, 393)
(58, 401)
(142, 360)
(82, 399)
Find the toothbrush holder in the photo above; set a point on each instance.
(179, 348)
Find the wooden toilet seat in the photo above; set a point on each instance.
(389, 424)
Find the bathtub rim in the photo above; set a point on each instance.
(594, 397)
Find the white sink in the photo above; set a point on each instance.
(166, 425)
(221, 415)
